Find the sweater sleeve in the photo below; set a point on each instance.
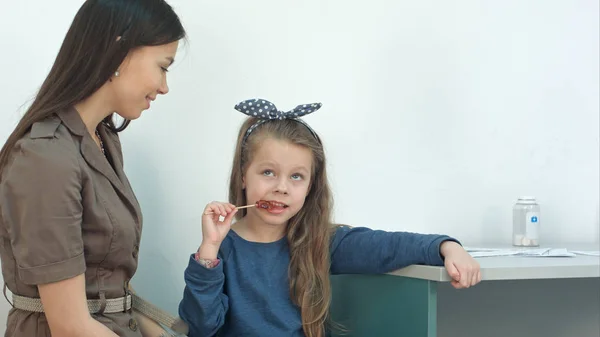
(204, 304)
(362, 250)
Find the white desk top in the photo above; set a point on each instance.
(517, 268)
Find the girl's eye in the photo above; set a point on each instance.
(164, 69)
(268, 173)
(297, 177)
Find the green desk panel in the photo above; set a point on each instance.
(384, 306)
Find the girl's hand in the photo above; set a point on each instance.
(462, 268)
(213, 230)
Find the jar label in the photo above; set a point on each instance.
(532, 225)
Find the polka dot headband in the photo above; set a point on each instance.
(266, 111)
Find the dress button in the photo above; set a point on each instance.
(133, 325)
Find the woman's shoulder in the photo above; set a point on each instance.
(48, 136)
(47, 147)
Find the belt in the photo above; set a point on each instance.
(111, 306)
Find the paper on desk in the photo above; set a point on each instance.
(535, 252)
(590, 253)
(550, 252)
(490, 253)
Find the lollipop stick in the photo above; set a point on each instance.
(253, 205)
(247, 206)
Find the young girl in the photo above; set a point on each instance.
(269, 274)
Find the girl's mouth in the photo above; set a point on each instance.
(271, 206)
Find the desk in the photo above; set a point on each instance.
(518, 296)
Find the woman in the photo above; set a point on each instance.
(69, 221)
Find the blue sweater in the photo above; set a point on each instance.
(247, 294)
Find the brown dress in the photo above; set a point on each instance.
(64, 211)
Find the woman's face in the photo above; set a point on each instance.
(142, 77)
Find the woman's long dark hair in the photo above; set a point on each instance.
(101, 35)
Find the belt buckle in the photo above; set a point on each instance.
(125, 298)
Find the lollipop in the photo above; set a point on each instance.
(264, 204)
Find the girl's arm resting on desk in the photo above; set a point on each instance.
(204, 305)
(66, 309)
(366, 251)
(362, 250)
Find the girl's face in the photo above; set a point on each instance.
(280, 172)
(142, 77)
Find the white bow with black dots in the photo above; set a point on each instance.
(266, 111)
(263, 109)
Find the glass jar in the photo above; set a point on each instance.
(526, 222)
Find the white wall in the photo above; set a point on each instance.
(437, 115)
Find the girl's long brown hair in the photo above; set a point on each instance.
(308, 232)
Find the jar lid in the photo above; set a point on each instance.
(526, 198)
